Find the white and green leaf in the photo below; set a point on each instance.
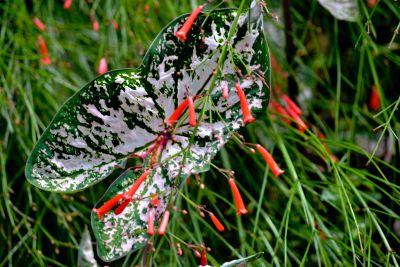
(342, 9)
(122, 113)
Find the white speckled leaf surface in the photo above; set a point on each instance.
(342, 9)
(122, 112)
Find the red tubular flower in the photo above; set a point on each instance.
(137, 184)
(121, 207)
(225, 91)
(103, 68)
(292, 104)
(154, 200)
(247, 116)
(39, 24)
(129, 195)
(43, 51)
(106, 207)
(96, 25)
(281, 111)
(300, 123)
(183, 31)
(216, 222)
(177, 113)
(203, 258)
(270, 160)
(241, 209)
(164, 223)
(192, 112)
(150, 222)
(374, 100)
(67, 4)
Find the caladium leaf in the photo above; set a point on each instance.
(122, 113)
(342, 9)
(94, 131)
(176, 70)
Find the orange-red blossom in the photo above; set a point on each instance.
(183, 31)
(164, 223)
(127, 197)
(43, 51)
(247, 116)
(216, 222)
(241, 209)
(270, 160)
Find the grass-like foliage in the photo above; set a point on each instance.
(332, 127)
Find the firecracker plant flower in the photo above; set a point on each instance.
(206, 75)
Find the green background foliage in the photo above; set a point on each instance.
(318, 212)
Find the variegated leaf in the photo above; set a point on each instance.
(342, 9)
(118, 235)
(95, 130)
(122, 113)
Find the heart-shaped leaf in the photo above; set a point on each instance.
(122, 113)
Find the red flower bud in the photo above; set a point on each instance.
(216, 222)
(177, 113)
(150, 222)
(192, 112)
(247, 116)
(178, 247)
(241, 209)
(67, 4)
(115, 25)
(154, 200)
(39, 24)
(96, 25)
(291, 104)
(270, 160)
(225, 91)
(43, 51)
(164, 223)
(374, 100)
(103, 68)
(197, 254)
(183, 31)
(203, 258)
(372, 3)
(106, 207)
